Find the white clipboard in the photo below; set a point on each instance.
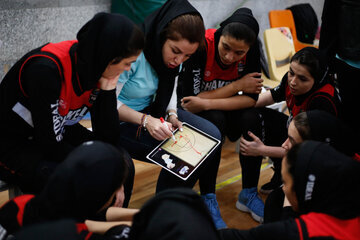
(184, 155)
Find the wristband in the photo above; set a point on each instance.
(145, 121)
(171, 114)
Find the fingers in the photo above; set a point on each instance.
(254, 74)
(159, 130)
(253, 136)
(177, 124)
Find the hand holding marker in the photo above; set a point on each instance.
(163, 122)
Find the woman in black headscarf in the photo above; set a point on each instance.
(148, 91)
(322, 126)
(174, 214)
(321, 185)
(48, 91)
(306, 86)
(314, 125)
(214, 77)
(81, 188)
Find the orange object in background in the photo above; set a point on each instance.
(284, 18)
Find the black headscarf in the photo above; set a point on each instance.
(242, 15)
(80, 185)
(326, 181)
(153, 25)
(325, 127)
(320, 75)
(101, 40)
(174, 214)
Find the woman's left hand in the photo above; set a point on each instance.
(175, 122)
(251, 148)
(193, 104)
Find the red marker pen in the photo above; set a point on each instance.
(163, 122)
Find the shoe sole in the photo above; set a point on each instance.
(244, 208)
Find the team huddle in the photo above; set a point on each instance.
(77, 183)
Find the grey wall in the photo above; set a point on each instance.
(27, 24)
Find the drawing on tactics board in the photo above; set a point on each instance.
(189, 145)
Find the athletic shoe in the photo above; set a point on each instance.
(213, 206)
(274, 183)
(249, 201)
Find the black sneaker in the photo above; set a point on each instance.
(274, 183)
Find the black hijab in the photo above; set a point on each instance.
(320, 74)
(174, 214)
(153, 25)
(241, 15)
(101, 40)
(80, 185)
(326, 181)
(325, 127)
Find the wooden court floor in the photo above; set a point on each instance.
(228, 186)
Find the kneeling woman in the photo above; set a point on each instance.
(319, 183)
(146, 92)
(306, 86)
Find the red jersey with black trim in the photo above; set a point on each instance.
(13, 212)
(214, 75)
(325, 92)
(321, 226)
(70, 108)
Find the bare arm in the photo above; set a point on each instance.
(258, 148)
(250, 83)
(102, 227)
(265, 99)
(120, 214)
(196, 104)
(156, 129)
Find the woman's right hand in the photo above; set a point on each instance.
(157, 129)
(250, 83)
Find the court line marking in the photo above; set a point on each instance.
(239, 176)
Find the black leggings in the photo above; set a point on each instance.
(271, 127)
(268, 124)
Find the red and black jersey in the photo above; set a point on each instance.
(69, 108)
(12, 213)
(325, 98)
(322, 226)
(202, 71)
(313, 226)
(216, 76)
(325, 92)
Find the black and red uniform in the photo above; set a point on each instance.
(323, 182)
(204, 71)
(17, 217)
(309, 226)
(78, 189)
(271, 125)
(45, 95)
(324, 98)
